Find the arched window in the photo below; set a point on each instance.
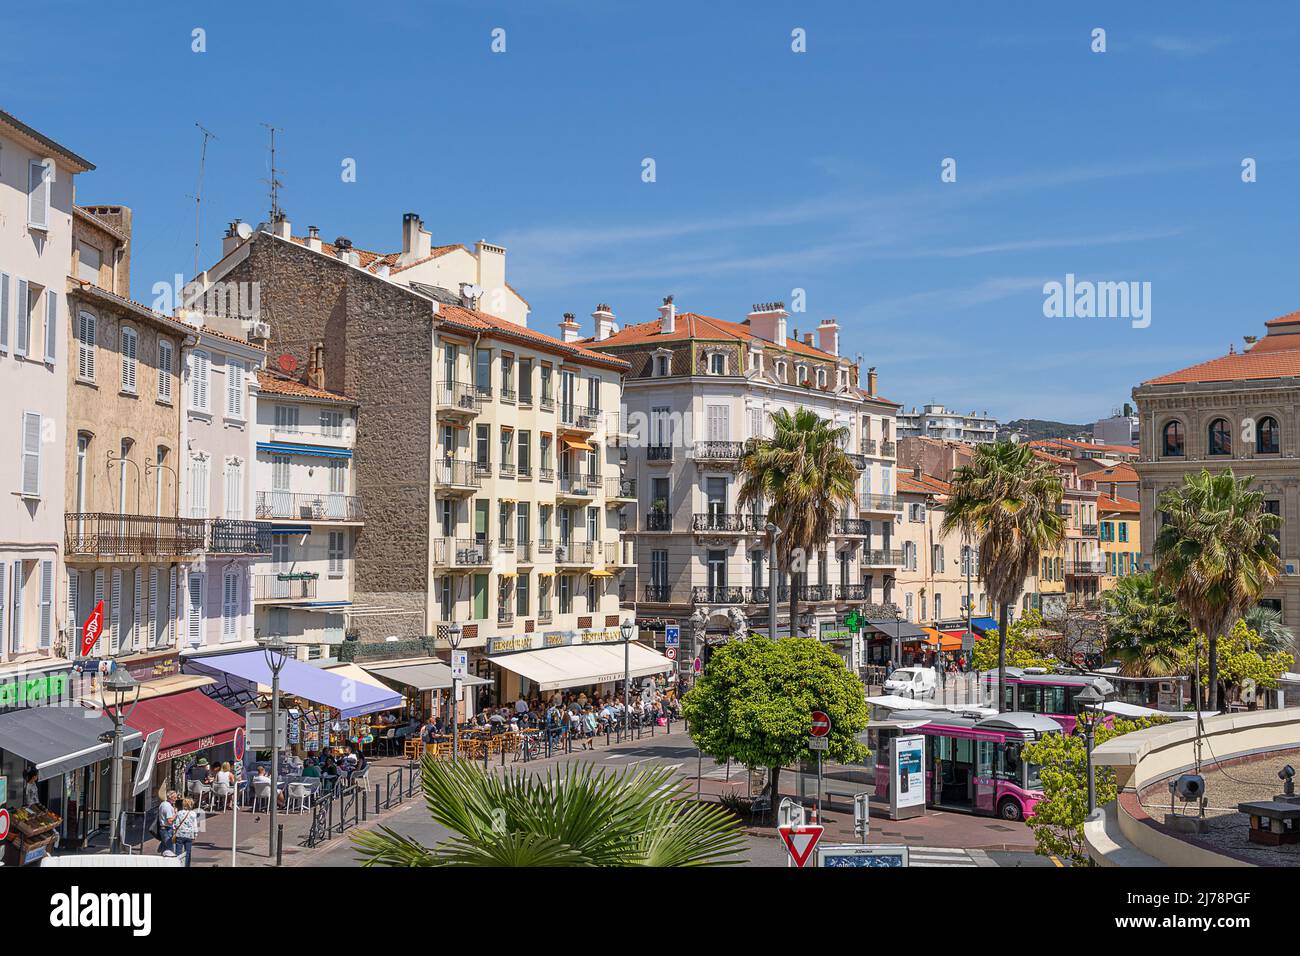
(1266, 437)
(821, 378)
(1220, 437)
(1173, 440)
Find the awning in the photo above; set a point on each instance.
(577, 444)
(190, 721)
(60, 739)
(359, 674)
(905, 631)
(434, 675)
(350, 698)
(984, 624)
(601, 573)
(943, 640)
(1121, 709)
(576, 665)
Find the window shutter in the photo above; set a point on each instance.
(174, 596)
(234, 487)
(31, 454)
(195, 616)
(164, 370)
(153, 607)
(5, 300)
(230, 608)
(38, 196)
(86, 345)
(128, 359)
(47, 603)
(4, 600)
(51, 325)
(137, 609)
(115, 599)
(74, 622)
(22, 327)
(234, 389)
(99, 596)
(16, 618)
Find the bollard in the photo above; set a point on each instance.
(364, 815)
(279, 843)
(377, 803)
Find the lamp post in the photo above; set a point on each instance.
(117, 686)
(773, 532)
(625, 631)
(276, 651)
(897, 650)
(454, 633)
(1088, 701)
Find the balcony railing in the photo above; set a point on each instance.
(545, 616)
(719, 450)
(545, 474)
(760, 595)
(755, 524)
(859, 461)
(524, 552)
(578, 485)
(718, 522)
(817, 592)
(882, 557)
(718, 594)
(450, 473)
(658, 521)
(579, 417)
(545, 545)
(506, 544)
(459, 397)
(851, 592)
(658, 593)
(508, 395)
(546, 402)
(620, 488)
(618, 553)
(505, 614)
(507, 469)
(1084, 567)
(121, 535)
(870, 502)
(574, 551)
(461, 552)
(659, 453)
(305, 506)
(868, 446)
(234, 536)
(852, 526)
(888, 449)
(284, 587)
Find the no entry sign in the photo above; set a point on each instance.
(821, 723)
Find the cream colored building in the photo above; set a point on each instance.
(933, 583)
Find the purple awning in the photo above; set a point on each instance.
(351, 698)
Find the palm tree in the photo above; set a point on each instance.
(804, 476)
(1006, 503)
(573, 816)
(1267, 623)
(1215, 551)
(1145, 628)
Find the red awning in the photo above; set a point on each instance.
(190, 721)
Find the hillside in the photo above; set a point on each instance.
(1032, 429)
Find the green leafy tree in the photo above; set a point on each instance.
(753, 703)
(1267, 623)
(804, 479)
(1006, 502)
(1023, 647)
(1243, 656)
(575, 815)
(1058, 818)
(1146, 630)
(1215, 551)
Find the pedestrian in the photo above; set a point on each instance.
(187, 828)
(167, 824)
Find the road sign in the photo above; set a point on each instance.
(92, 629)
(4, 823)
(147, 760)
(672, 635)
(698, 665)
(670, 652)
(818, 743)
(241, 738)
(801, 841)
(821, 723)
(857, 855)
(460, 664)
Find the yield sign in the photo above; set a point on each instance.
(92, 629)
(801, 841)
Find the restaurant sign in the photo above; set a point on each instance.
(530, 642)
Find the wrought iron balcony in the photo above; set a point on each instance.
(859, 461)
(851, 592)
(717, 594)
(452, 474)
(868, 446)
(852, 526)
(507, 469)
(755, 524)
(545, 545)
(458, 398)
(574, 551)
(761, 595)
(816, 592)
(508, 395)
(285, 586)
(234, 536)
(882, 557)
(716, 522)
(306, 506)
(719, 450)
(662, 454)
(658, 521)
(461, 552)
(547, 402)
(620, 488)
(888, 449)
(131, 536)
(506, 544)
(578, 417)
(545, 474)
(658, 594)
(505, 614)
(578, 486)
(870, 502)
(1084, 567)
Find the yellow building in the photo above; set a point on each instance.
(1120, 533)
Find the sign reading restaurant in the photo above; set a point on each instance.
(532, 642)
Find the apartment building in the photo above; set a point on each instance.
(938, 568)
(1120, 535)
(37, 209)
(127, 543)
(1236, 411)
(1117, 481)
(697, 390)
(1093, 452)
(944, 424)
(306, 437)
(1119, 429)
(487, 462)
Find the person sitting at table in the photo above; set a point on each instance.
(198, 772)
(310, 768)
(225, 775)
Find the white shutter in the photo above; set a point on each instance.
(23, 327)
(16, 618)
(153, 607)
(86, 345)
(195, 618)
(115, 612)
(137, 609)
(31, 477)
(6, 300)
(234, 389)
(164, 370)
(234, 490)
(199, 365)
(98, 649)
(174, 609)
(230, 606)
(51, 325)
(4, 600)
(129, 352)
(74, 622)
(38, 196)
(47, 603)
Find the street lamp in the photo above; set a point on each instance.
(1089, 702)
(625, 631)
(454, 633)
(276, 651)
(773, 532)
(897, 651)
(117, 686)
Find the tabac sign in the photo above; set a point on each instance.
(530, 642)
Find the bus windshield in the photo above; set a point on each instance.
(1032, 779)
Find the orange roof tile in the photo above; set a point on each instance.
(1121, 472)
(277, 384)
(692, 325)
(1254, 364)
(502, 328)
(924, 485)
(1107, 503)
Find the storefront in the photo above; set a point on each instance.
(588, 661)
(425, 686)
(883, 633)
(193, 725)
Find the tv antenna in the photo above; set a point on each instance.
(274, 181)
(198, 193)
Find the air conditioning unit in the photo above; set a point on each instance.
(259, 330)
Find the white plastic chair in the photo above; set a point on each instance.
(301, 794)
(200, 791)
(226, 791)
(261, 794)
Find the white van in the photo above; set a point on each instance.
(917, 683)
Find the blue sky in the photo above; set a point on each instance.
(775, 170)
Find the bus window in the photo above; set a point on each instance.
(1032, 780)
(1031, 698)
(1009, 698)
(1054, 699)
(985, 752)
(1011, 762)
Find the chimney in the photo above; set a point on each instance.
(313, 239)
(281, 227)
(316, 366)
(415, 241)
(767, 321)
(916, 472)
(667, 316)
(569, 328)
(871, 381)
(828, 336)
(231, 239)
(807, 338)
(604, 317)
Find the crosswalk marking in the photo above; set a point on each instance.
(930, 856)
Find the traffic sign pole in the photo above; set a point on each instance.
(801, 840)
(820, 730)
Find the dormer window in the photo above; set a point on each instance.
(780, 371)
(821, 378)
(801, 374)
(662, 364)
(718, 364)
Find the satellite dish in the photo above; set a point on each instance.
(243, 230)
(472, 291)
(288, 364)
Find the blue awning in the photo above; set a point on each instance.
(290, 529)
(351, 698)
(293, 448)
(984, 623)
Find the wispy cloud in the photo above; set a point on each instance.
(1185, 46)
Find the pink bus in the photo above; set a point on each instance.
(973, 762)
(1036, 692)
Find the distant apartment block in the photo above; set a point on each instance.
(942, 423)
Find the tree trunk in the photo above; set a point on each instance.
(794, 606)
(1212, 678)
(1002, 658)
(772, 792)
